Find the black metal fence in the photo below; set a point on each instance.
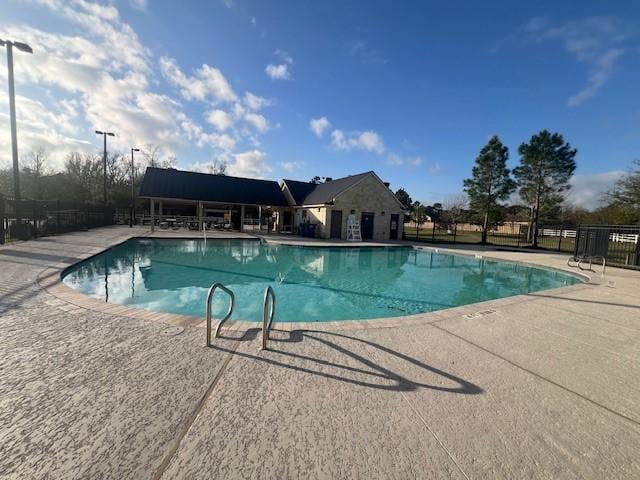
(619, 244)
(508, 235)
(26, 219)
(622, 247)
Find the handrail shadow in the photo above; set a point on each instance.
(378, 372)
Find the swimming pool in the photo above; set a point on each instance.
(312, 284)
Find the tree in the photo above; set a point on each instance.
(547, 163)
(218, 167)
(34, 169)
(404, 198)
(455, 208)
(626, 193)
(419, 213)
(490, 182)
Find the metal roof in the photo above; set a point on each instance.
(179, 184)
(308, 193)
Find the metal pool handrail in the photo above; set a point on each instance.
(232, 303)
(268, 311)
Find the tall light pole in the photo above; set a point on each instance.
(132, 213)
(104, 163)
(23, 47)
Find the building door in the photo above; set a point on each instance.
(336, 224)
(393, 226)
(287, 221)
(366, 225)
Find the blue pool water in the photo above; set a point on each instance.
(311, 284)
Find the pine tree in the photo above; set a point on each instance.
(547, 164)
(490, 181)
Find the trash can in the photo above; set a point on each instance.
(311, 230)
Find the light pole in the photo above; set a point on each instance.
(23, 47)
(132, 213)
(104, 163)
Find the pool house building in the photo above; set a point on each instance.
(181, 199)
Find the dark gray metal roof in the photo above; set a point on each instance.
(307, 193)
(178, 184)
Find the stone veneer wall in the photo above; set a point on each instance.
(368, 196)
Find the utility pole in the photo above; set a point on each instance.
(104, 163)
(23, 47)
(132, 213)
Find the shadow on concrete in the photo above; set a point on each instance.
(18, 295)
(387, 379)
(36, 256)
(596, 302)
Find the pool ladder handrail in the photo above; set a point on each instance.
(232, 302)
(268, 310)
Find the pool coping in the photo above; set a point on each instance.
(50, 280)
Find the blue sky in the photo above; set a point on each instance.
(279, 89)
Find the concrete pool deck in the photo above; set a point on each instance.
(544, 387)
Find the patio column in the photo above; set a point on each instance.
(260, 218)
(153, 213)
(200, 216)
(160, 209)
(242, 218)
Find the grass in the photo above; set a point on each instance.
(619, 253)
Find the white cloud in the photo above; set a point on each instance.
(256, 102)
(367, 56)
(598, 42)
(369, 141)
(284, 56)
(86, 80)
(601, 71)
(257, 121)
(319, 125)
(395, 160)
(250, 164)
(436, 169)
(291, 166)
(587, 189)
(220, 119)
(139, 4)
(278, 72)
(208, 83)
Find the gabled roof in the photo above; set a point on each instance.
(299, 190)
(179, 184)
(308, 193)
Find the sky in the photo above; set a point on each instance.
(294, 89)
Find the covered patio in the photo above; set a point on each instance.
(196, 201)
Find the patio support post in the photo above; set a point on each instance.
(152, 211)
(200, 216)
(260, 218)
(160, 209)
(242, 218)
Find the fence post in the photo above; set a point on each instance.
(58, 216)
(35, 218)
(455, 232)
(1, 219)
(433, 233)
(88, 215)
(560, 238)
(417, 231)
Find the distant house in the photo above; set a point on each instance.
(236, 202)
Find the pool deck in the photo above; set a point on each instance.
(544, 387)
